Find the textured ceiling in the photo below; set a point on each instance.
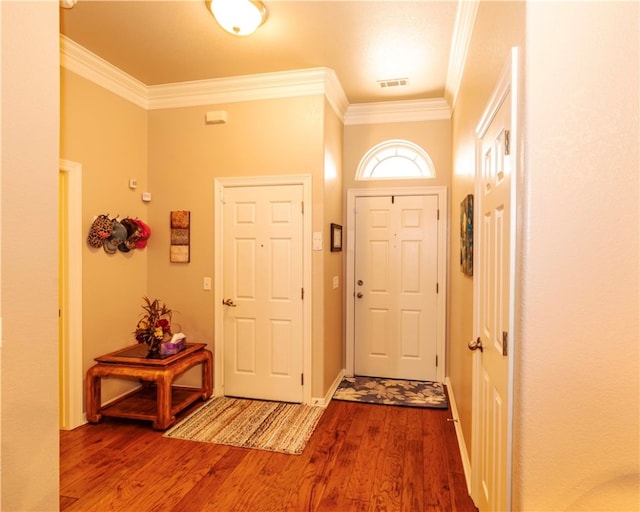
(162, 42)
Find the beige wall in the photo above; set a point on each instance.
(333, 361)
(176, 156)
(577, 401)
(498, 27)
(107, 135)
(576, 434)
(29, 246)
(260, 138)
(577, 438)
(432, 136)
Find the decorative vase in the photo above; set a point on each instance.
(154, 346)
(153, 350)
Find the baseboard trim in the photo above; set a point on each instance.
(323, 402)
(466, 464)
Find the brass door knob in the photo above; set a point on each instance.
(475, 344)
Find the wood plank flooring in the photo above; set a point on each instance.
(360, 458)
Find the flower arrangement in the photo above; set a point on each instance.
(155, 325)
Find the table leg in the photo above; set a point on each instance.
(93, 390)
(163, 405)
(207, 375)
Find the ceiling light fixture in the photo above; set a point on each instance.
(238, 17)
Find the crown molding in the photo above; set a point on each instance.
(306, 82)
(335, 94)
(397, 111)
(88, 65)
(462, 32)
(285, 84)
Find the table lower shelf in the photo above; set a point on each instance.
(141, 403)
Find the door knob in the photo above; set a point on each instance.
(359, 295)
(475, 344)
(229, 302)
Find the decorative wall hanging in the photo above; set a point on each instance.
(180, 236)
(466, 235)
(114, 235)
(336, 237)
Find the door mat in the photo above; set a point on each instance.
(411, 393)
(274, 426)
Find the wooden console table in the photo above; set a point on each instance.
(158, 399)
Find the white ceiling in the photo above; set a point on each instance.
(163, 42)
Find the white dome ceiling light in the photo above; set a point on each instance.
(238, 17)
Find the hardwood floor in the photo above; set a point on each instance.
(360, 458)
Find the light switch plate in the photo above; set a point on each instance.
(317, 240)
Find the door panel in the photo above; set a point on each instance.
(262, 262)
(396, 243)
(494, 242)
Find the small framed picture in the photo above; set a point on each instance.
(466, 235)
(336, 237)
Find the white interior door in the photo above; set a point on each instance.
(396, 286)
(494, 242)
(262, 292)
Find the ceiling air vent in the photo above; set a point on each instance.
(393, 82)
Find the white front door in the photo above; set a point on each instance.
(396, 286)
(262, 292)
(493, 305)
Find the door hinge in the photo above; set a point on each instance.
(438, 214)
(436, 360)
(507, 142)
(302, 293)
(302, 207)
(505, 343)
(393, 199)
(437, 287)
(302, 379)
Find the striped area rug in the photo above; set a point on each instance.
(275, 426)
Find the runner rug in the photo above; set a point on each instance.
(410, 393)
(274, 426)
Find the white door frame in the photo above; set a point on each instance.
(443, 244)
(72, 415)
(508, 82)
(220, 185)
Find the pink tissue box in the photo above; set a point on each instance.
(172, 347)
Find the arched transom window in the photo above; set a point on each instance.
(395, 159)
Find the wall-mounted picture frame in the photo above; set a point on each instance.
(180, 224)
(466, 235)
(336, 237)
